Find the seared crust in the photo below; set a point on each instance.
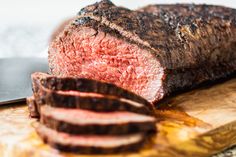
(178, 38)
(193, 43)
(95, 150)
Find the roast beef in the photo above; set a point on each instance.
(32, 106)
(91, 101)
(153, 51)
(77, 121)
(60, 28)
(91, 144)
(85, 94)
(82, 85)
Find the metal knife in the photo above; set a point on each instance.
(15, 83)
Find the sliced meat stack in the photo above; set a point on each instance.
(70, 92)
(153, 51)
(88, 116)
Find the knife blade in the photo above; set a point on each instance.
(15, 83)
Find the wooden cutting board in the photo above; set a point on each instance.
(197, 123)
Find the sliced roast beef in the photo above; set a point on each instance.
(151, 53)
(91, 101)
(32, 106)
(90, 144)
(65, 92)
(82, 85)
(77, 121)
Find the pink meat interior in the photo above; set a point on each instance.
(96, 55)
(96, 95)
(78, 116)
(88, 140)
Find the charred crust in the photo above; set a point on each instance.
(82, 21)
(96, 150)
(161, 26)
(182, 37)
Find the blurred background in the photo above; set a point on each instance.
(26, 25)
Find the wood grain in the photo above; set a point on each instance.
(197, 123)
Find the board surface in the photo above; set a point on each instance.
(198, 123)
